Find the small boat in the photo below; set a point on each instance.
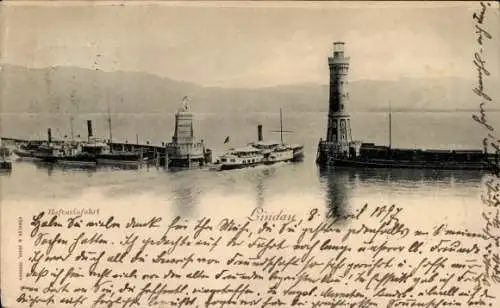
(26, 151)
(76, 156)
(240, 158)
(65, 154)
(48, 153)
(5, 159)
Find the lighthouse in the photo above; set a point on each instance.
(338, 134)
(339, 123)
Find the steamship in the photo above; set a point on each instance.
(278, 152)
(104, 155)
(240, 158)
(86, 153)
(260, 153)
(66, 154)
(339, 150)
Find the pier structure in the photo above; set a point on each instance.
(338, 141)
(184, 150)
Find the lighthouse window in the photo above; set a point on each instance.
(342, 107)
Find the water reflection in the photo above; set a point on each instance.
(50, 168)
(415, 175)
(340, 184)
(185, 192)
(262, 178)
(337, 196)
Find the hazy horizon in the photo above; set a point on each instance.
(246, 45)
(325, 82)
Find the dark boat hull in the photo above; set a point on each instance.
(77, 160)
(238, 166)
(298, 157)
(119, 159)
(5, 166)
(46, 158)
(273, 162)
(24, 154)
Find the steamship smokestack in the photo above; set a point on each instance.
(89, 128)
(49, 135)
(259, 132)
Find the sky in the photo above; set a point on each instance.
(230, 44)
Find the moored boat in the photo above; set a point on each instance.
(120, 158)
(5, 159)
(105, 156)
(77, 156)
(65, 154)
(26, 150)
(48, 153)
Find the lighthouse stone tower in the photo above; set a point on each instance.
(339, 123)
(338, 135)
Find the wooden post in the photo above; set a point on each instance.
(166, 159)
(155, 158)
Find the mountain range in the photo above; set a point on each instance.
(79, 90)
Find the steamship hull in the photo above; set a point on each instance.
(298, 152)
(23, 154)
(46, 158)
(225, 167)
(77, 161)
(70, 160)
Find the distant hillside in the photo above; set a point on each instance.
(78, 90)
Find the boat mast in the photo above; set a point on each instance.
(71, 128)
(71, 117)
(390, 125)
(109, 125)
(281, 127)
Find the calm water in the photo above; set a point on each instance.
(200, 192)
